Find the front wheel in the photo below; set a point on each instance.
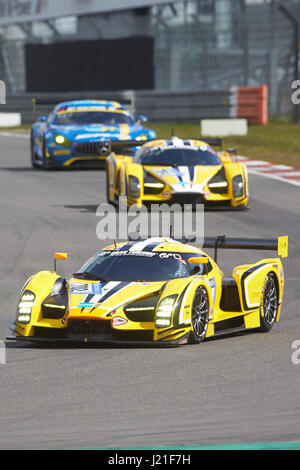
(269, 304)
(46, 165)
(200, 311)
(32, 153)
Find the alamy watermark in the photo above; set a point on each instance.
(295, 358)
(295, 98)
(2, 92)
(2, 353)
(160, 220)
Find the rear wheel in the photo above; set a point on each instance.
(107, 186)
(200, 310)
(110, 201)
(269, 304)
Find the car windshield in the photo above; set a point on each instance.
(137, 266)
(91, 117)
(177, 157)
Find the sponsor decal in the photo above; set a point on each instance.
(92, 288)
(213, 286)
(146, 254)
(86, 305)
(98, 135)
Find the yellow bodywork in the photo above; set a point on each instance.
(164, 185)
(92, 301)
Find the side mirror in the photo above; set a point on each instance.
(42, 118)
(198, 260)
(142, 119)
(59, 256)
(232, 151)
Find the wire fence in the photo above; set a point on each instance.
(198, 44)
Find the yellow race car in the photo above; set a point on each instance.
(157, 290)
(177, 171)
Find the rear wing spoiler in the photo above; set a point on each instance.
(46, 102)
(124, 146)
(280, 244)
(56, 100)
(212, 142)
(127, 144)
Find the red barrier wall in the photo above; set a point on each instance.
(252, 104)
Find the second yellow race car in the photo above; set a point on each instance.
(157, 290)
(177, 171)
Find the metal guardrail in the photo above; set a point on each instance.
(187, 106)
(156, 105)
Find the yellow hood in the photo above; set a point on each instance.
(99, 299)
(184, 178)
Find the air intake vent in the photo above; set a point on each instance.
(142, 310)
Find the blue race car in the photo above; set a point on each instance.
(79, 133)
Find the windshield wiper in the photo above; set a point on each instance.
(87, 275)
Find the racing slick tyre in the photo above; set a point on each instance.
(32, 153)
(46, 165)
(200, 310)
(107, 187)
(269, 304)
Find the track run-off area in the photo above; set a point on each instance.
(231, 390)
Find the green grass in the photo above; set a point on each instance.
(23, 128)
(278, 141)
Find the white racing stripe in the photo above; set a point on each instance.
(139, 246)
(105, 289)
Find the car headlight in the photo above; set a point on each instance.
(25, 307)
(134, 187)
(238, 186)
(62, 140)
(165, 311)
(142, 137)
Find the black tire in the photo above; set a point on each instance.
(107, 187)
(269, 304)
(46, 165)
(117, 200)
(32, 153)
(200, 313)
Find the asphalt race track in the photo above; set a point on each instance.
(235, 389)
